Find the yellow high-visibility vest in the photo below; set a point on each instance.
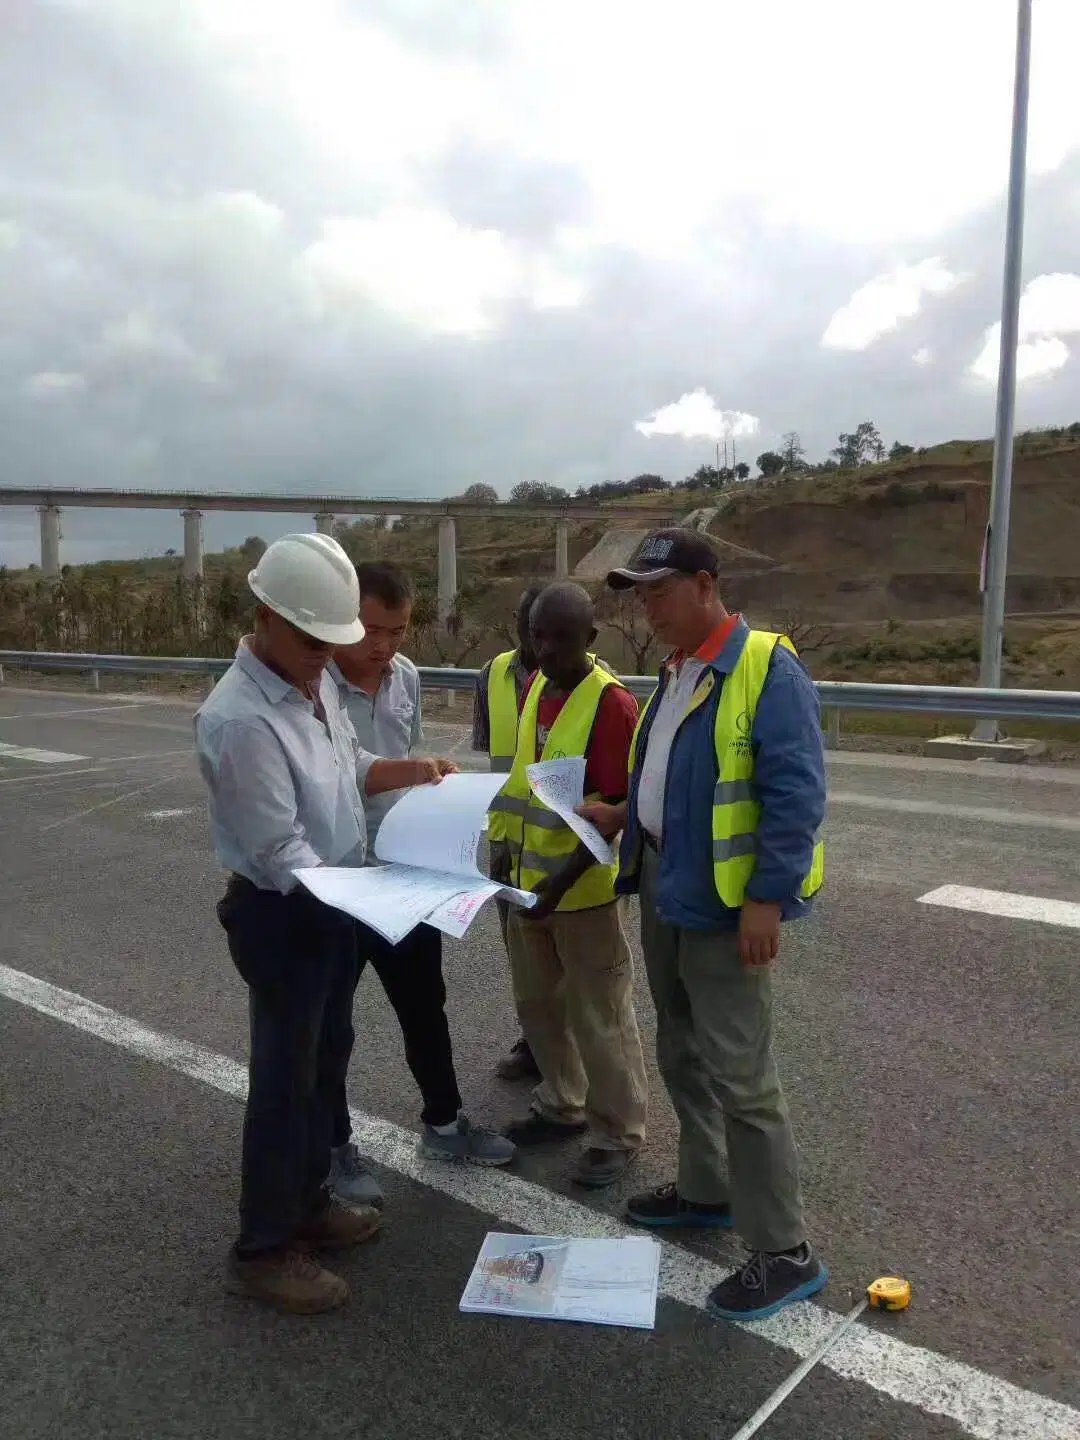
(502, 703)
(736, 811)
(540, 843)
(502, 706)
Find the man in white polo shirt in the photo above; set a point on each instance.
(380, 690)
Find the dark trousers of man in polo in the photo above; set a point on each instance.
(411, 975)
(298, 959)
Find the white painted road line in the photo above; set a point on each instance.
(71, 713)
(167, 814)
(1005, 904)
(99, 765)
(37, 757)
(115, 800)
(982, 1405)
(978, 814)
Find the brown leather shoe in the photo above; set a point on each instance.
(340, 1227)
(289, 1280)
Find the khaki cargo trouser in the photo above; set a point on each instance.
(714, 1033)
(573, 977)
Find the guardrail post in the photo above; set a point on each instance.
(832, 732)
(1, 674)
(95, 680)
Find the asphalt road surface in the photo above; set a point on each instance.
(931, 1055)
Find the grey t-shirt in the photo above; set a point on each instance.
(387, 723)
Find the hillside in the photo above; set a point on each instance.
(874, 571)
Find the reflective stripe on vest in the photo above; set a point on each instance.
(502, 706)
(736, 812)
(540, 843)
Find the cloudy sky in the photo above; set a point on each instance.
(392, 247)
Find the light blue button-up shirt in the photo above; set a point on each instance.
(284, 787)
(386, 723)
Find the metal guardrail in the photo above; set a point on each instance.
(964, 701)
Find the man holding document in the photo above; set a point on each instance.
(284, 773)
(571, 964)
(380, 690)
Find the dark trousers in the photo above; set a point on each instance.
(298, 959)
(411, 974)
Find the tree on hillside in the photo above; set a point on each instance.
(806, 635)
(537, 492)
(860, 447)
(742, 471)
(616, 489)
(481, 494)
(770, 463)
(253, 549)
(456, 640)
(622, 612)
(792, 451)
(898, 451)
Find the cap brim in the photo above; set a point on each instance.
(623, 579)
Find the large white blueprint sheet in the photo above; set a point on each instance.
(428, 843)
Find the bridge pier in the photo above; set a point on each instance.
(447, 591)
(324, 523)
(50, 541)
(562, 556)
(193, 544)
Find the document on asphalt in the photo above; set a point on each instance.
(552, 1277)
(427, 845)
(560, 784)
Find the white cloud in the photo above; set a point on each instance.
(923, 356)
(567, 83)
(883, 303)
(246, 208)
(695, 416)
(140, 338)
(52, 384)
(421, 264)
(9, 235)
(1049, 308)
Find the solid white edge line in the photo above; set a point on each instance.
(976, 814)
(1005, 905)
(983, 1405)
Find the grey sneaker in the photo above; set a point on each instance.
(468, 1145)
(350, 1181)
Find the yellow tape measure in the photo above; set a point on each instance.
(889, 1292)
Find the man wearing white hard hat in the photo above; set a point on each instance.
(284, 773)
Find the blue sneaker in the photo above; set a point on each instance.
(350, 1181)
(766, 1283)
(467, 1144)
(665, 1207)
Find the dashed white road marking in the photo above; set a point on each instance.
(982, 1405)
(167, 814)
(1005, 904)
(37, 757)
(98, 766)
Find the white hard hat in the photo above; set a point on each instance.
(310, 581)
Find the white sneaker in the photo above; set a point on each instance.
(350, 1181)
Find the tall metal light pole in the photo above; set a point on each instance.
(995, 556)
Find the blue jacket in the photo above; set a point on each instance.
(789, 776)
